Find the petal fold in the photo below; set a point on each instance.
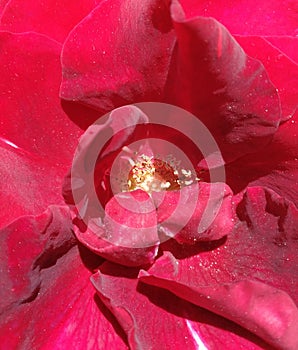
(253, 270)
(43, 279)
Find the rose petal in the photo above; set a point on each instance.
(201, 212)
(282, 71)
(154, 318)
(51, 17)
(228, 91)
(27, 245)
(248, 18)
(32, 117)
(43, 280)
(286, 44)
(266, 311)
(28, 184)
(274, 167)
(94, 157)
(128, 235)
(2, 6)
(100, 70)
(246, 279)
(233, 89)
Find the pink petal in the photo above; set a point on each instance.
(28, 184)
(201, 212)
(250, 277)
(207, 73)
(51, 17)
(287, 45)
(97, 149)
(32, 117)
(48, 299)
(2, 5)
(154, 318)
(283, 72)
(27, 245)
(276, 17)
(100, 70)
(274, 167)
(230, 92)
(128, 235)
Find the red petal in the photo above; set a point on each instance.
(154, 318)
(211, 76)
(27, 245)
(252, 17)
(28, 184)
(45, 286)
(246, 279)
(102, 71)
(2, 5)
(129, 234)
(51, 17)
(32, 117)
(274, 167)
(287, 45)
(282, 71)
(201, 212)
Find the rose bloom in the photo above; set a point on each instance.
(231, 64)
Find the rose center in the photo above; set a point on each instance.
(151, 174)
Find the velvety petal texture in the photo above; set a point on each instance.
(47, 300)
(286, 44)
(28, 183)
(282, 71)
(276, 17)
(197, 65)
(51, 17)
(128, 234)
(250, 278)
(31, 113)
(212, 77)
(2, 5)
(37, 138)
(274, 167)
(188, 262)
(99, 56)
(201, 212)
(127, 226)
(154, 318)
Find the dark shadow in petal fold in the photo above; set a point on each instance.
(111, 318)
(171, 303)
(212, 77)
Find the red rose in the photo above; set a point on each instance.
(234, 285)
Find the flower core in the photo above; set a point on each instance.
(152, 174)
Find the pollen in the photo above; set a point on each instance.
(154, 175)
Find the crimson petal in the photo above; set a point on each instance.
(287, 45)
(201, 212)
(110, 59)
(154, 318)
(211, 76)
(28, 184)
(51, 17)
(282, 71)
(248, 18)
(32, 117)
(253, 270)
(47, 300)
(2, 5)
(128, 235)
(274, 167)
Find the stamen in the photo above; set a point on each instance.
(151, 174)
